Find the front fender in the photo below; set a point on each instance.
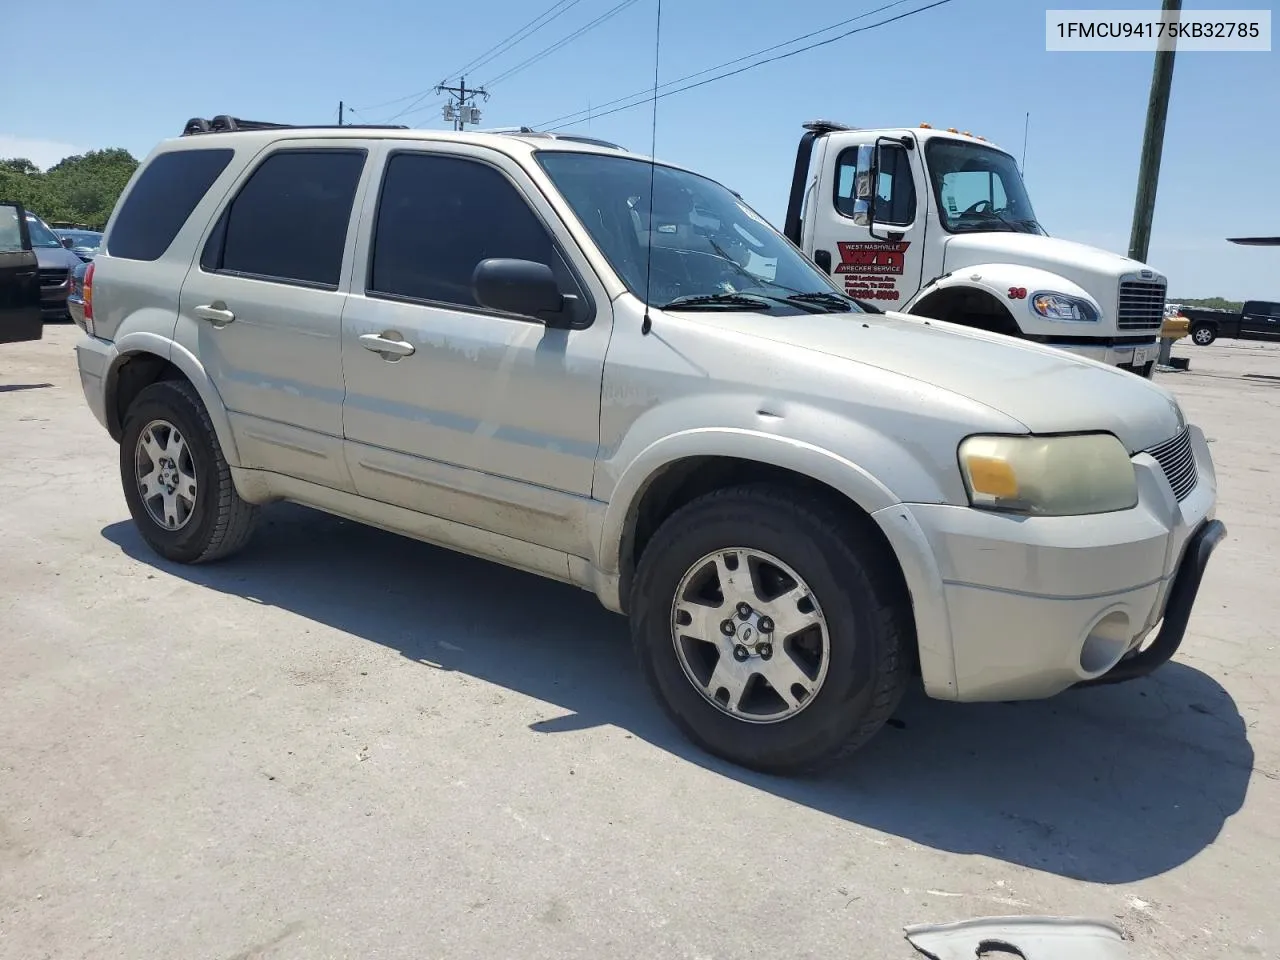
(998, 279)
(802, 457)
(133, 344)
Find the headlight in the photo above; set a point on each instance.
(1049, 476)
(1058, 306)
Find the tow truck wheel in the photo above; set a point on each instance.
(765, 623)
(1203, 335)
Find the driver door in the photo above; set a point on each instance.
(20, 318)
(877, 259)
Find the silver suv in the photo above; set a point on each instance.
(612, 372)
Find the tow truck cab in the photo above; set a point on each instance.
(949, 233)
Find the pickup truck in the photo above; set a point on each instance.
(19, 278)
(1259, 320)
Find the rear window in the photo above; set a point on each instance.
(289, 220)
(162, 200)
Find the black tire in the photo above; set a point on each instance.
(220, 522)
(867, 616)
(1203, 334)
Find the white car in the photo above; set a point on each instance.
(499, 344)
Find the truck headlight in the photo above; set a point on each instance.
(1061, 476)
(1059, 306)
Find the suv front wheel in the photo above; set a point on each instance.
(176, 480)
(768, 629)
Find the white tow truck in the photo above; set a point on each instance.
(949, 233)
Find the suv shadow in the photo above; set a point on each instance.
(1108, 785)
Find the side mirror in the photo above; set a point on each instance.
(864, 186)
(68, 242)
(520, 286)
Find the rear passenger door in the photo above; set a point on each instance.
(482, 417)
(19, 279)
(264, 302)
(1260, 319)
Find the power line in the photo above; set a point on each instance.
(720, 66)
(607, 15)
(596, 115)
(492, 52)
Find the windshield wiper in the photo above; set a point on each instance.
(837, 303)
(1032, 222)
(735, 300)
(990, 215)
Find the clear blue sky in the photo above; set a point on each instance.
(147, 65)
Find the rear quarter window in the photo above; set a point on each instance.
(161, 201)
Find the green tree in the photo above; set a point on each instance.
(80, 189)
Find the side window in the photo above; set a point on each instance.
(895, 186)
(161, 201)
(289, 221)
(11, 230)
(438, 217)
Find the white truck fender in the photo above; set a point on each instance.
(1006, 282)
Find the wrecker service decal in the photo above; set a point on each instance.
(869, 268)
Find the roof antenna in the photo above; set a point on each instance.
(647, 324)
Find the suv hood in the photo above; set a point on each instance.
(50, 257)
(1044, 389)
(1048, 253)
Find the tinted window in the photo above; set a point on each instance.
(440, 216)
(895, 186)
(289, 221)
(1262, 308)
(162, 199)
(11, 230)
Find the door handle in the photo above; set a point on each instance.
(389, 345)
(216, 313)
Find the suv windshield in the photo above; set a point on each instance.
(978, 189)
(708, 245)
(41, 236)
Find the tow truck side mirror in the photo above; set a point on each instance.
(864, 189)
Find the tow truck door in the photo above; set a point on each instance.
(877, 258)
(19, 278)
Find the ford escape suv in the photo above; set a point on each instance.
(613, 372)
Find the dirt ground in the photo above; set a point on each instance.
(346, 744)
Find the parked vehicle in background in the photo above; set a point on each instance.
(19, 278)
(1258, 320)
(948, 232)
(56, 264)
(613, 372)
(75, 296)
(83, 243)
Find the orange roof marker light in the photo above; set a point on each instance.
(926, 126)
(952, 130)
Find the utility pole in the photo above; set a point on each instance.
(1152, 148)
(461, 108)
(340, 112)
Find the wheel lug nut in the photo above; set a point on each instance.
(766, 625)
(727, 628)
(765, 650)
(740, 653)
(744, 610)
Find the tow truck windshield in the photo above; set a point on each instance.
(978, 189)
(710, 251)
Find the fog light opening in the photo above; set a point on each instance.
(1106, 643)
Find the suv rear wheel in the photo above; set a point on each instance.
(176, 481)
(767, 630)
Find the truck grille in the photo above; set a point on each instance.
(1178, 461)
(53, 276)
(1141, 305)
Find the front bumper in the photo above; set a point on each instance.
(53, 303)
(1012, 607)
(1136, 358)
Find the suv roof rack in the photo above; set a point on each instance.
(552, 135)
(223, 123)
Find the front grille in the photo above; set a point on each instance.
(53, 276)
(1141, 305)
(1178, 461)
